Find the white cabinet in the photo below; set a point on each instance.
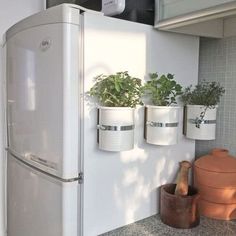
(202, 18)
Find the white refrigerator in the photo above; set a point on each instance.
(43, 105)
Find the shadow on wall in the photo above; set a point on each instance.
(146, 168)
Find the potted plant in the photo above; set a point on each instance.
(118, 94)
(162, 117)
(200, 109)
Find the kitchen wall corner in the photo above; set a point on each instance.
(217, 62)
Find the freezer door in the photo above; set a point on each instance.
(43, 97)
(39, 205)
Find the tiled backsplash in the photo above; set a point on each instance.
(217, 62)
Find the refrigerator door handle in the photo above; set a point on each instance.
(41, 161)
(29, 157)
(9, 108)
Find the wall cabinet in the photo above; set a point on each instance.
(202, 18)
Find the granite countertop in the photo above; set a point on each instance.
(153, 226)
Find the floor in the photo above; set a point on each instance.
(153, 226)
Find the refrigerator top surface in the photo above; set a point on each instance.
(64, 13)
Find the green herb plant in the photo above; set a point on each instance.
(207, 94)
(162, 90)
(117, 90)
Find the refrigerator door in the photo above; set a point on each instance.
(43, 97)
(38, 204)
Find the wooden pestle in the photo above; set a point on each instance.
(182, 179)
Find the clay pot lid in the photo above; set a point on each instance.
(218, 160)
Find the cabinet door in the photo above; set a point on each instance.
(172, 8)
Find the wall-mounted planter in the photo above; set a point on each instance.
(200, 129)
(161, 125)
(116, 128)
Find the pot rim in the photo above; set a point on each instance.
(213, 171)
(216, 106)
(115, 108)
(163, 107)
(217, 188)
(196, 195)
(220, 152)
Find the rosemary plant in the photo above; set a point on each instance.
(207, 94)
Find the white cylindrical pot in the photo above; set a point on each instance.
(162, 125)
(206, 129)
(116, 128)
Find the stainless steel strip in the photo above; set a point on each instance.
(115, 128)
(21, 159)
(198, 121)
(160, 124)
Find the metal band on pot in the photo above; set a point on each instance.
(115, 128)
(160, 124)
(199, 121)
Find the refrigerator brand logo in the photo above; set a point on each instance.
(45, 44)
(109, 2)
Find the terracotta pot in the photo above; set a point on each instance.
(179, 211)
(215, 178)
(217, 210)
(217, 195)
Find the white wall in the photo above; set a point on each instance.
(121, 188)
(11, 11)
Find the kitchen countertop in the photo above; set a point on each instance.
(153, 226)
